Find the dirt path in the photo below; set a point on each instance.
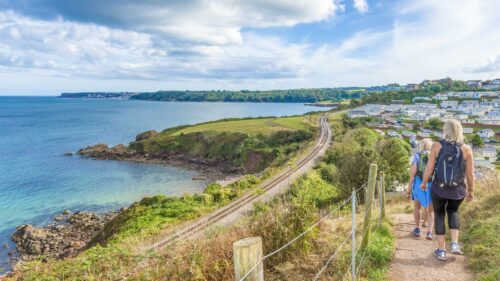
(414, 259)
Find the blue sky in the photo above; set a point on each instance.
(48, 46)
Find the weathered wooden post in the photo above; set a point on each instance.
(247, 253)
(353, 236)
(368, 203)
(382, 179)
(379, 190)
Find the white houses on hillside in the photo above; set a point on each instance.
(487, 153)
(357, 113)
(492, 118)
(451, 104)
(468, 130)
(486, 133)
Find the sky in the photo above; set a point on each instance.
(48, 47)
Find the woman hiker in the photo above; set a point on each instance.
(421, 198)
(452, 163)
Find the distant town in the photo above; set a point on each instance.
(478, 111)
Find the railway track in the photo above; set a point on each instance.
(201, 224)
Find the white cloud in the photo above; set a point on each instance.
(427, 41)
(490, 65)
(226, 50)
(87, 51)
(361, 6)
(199, 21)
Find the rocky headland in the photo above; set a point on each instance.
(209, 168)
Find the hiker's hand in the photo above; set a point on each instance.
(470, 196)
(407, 196)
(423, 186)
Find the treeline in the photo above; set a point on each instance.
(294, 95)
(376, 94)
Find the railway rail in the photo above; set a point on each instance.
(203, 223)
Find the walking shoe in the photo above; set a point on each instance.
(416, 232)
(429, 235)
(455, 249)
(440, 254)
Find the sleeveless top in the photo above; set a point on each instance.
(456, 192)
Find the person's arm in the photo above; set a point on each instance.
(413, 172)
(430, 165)
(469, 171)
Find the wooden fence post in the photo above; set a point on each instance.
(382, 179)
(368, 204)
(379, 198)
(246, 254)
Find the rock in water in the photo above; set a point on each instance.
(99, 150)
(146, 135)
(102, 151)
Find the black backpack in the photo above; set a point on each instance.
(423, 160)
(449, 171)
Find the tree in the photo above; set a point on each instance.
(355, 102)
(359, 148)
(417, 127)
(435, 123)
(477, 140)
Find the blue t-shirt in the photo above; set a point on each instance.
(416, 159)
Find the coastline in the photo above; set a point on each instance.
(206, 170)
(70, 233)
(59, 144)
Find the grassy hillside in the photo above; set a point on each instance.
(481, 226)
(249, 145)
(264, 126)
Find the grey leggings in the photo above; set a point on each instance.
(443, 206)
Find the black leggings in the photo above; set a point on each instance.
(443, 206)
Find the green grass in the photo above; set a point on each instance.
(264, 126)
(379, 253)
(480, 232)
(336, 119)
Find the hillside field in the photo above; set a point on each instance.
(264, 126)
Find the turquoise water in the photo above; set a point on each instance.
(37, 181)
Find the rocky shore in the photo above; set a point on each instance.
(68, 235)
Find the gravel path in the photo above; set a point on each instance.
(414, 259)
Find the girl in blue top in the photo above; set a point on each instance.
(421, 198)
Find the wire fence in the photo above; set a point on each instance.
(354, 196)
(355, 254)
(338, 208)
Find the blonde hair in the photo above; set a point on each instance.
(425, 144)
(453, 131)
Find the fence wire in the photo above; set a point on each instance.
(363, 187)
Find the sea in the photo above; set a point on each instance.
(37, 181)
